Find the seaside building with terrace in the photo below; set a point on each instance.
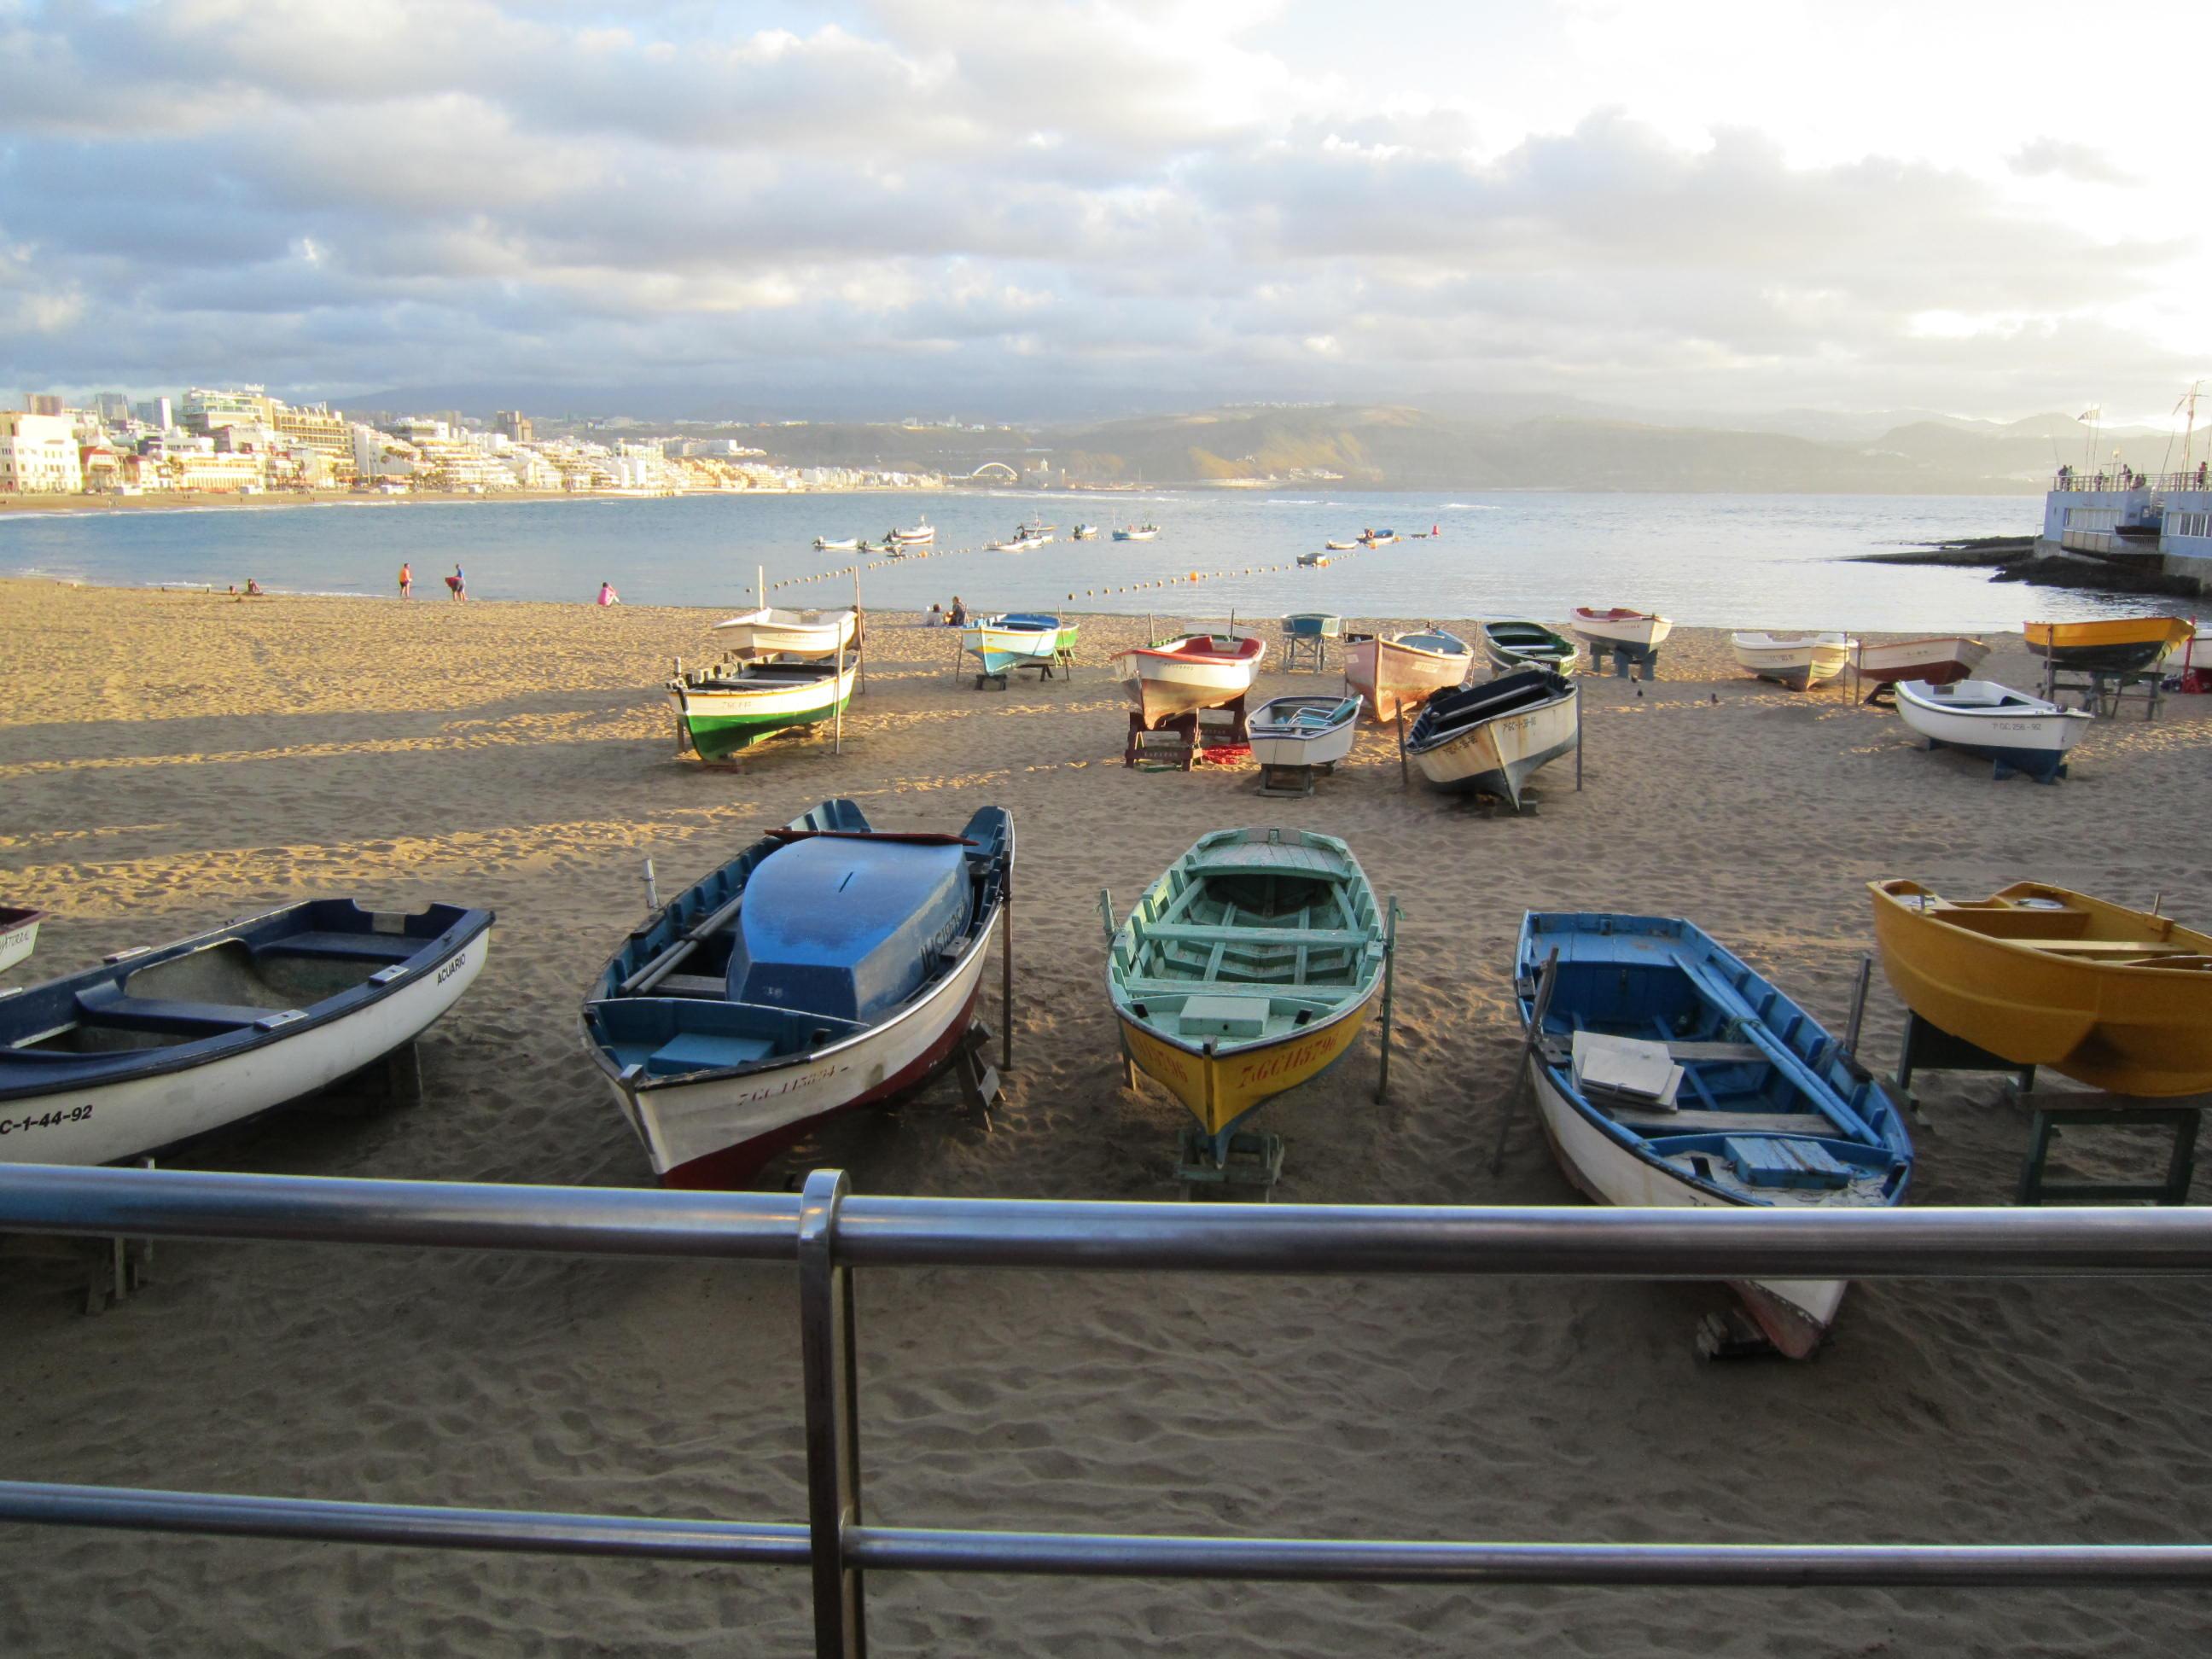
(2160, 521)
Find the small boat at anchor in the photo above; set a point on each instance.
(1247, 968)
(1304, 731)
(1490, 740)
(827, 966)
(1193, 671)
(2039, 976)
(2113, 645)
(772, 633)
(2014, 732)
(1013, 641)
(1668, 1073)
(1510, 645)
(1404, 671)
(1343, 547)
(1314, 561)
(1938, 660)
(1797, 662)
(158, 1046)
(850, 545)
(19, 932)
(1136, 532)
(1083, 532)
(920, 536)
(729, 708)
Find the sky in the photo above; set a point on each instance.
(1023, 209)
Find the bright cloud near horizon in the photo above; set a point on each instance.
(1015, 209)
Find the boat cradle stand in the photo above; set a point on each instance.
(1175, 741)
(1253, 1164)
(998, 682)
(1297, 781)
(1625, 658)
(2102, 693)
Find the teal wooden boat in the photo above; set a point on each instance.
(1510, 645)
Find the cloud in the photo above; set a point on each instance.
(996, 204)
(2043, 158)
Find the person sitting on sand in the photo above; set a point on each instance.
(958, 616)
(406, 579)
(936, 613)
(253, 588)
(607, 594)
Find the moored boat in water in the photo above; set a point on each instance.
(2014, 731)
(1404, 671)
(1491, 738)
(158, 1046)
(849, 545)
(1192, 671)
(1248, 968)
(1797, 661)
(827, 966)
(2039, 976)
(1668, 1073)
(1136, 532)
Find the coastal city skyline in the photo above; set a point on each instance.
(854, 211)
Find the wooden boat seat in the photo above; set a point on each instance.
(705, 1051)
(2108, 947)
(1650, 1124)
(354, 947)
(692, 984)
(1309, 937)
(106, 1005)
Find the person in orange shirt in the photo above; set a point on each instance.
(406, 581)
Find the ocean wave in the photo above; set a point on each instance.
(1471, 507)
(1291, 500)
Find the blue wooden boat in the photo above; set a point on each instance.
(1668, 1072)
(830, 965)
(157, 1046)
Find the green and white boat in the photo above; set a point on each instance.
(1511, 645)
(730, 708)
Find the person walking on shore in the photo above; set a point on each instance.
(406, 579)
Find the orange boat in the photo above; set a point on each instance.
(2119, 999)
(2113, 645)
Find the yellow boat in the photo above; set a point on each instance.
(2037, 976)
(1247, 968)
(2115, 644)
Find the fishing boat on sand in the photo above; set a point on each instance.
(1304, 731)
(772, 633)
(1136, 532)
(2013, 730)
(729, 708)
(1193, 671)
(1244, 970)
(1014, 640)
(19, 932)
(2039, 976)
(1797, 662)
(2113, 645)
(1642, 632)
(827, 966)
(1668, 1073)
(1490, 740)
(1938, 660)
(158, 1046)
(1404, 671)
(1510, 645)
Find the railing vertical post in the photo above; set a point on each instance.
(833, 1444)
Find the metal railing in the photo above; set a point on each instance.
(2117, 479)
(828, 1233)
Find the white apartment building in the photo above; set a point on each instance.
(39, 454)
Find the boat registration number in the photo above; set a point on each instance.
(24, 1125)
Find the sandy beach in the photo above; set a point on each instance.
(168, 761)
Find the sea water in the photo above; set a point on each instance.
(1780, 562)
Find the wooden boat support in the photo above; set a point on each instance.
(831, 1234)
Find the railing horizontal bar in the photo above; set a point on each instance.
(1555, 1240)
(544, 1532)
(103, 1201)
(1327, 1560)
(915, 1549)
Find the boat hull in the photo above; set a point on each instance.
(999, 649)
(19, 935)
(1936, 662)
(1163, 684)
(101, 1122)
(725, 723)
(1795, 667)
(2138, 1030)
(1795, 1314)
(1555, 653)
(1279, 746)
(2034, 743)
(1220, 1089)
(1636, 630)
(767, 635)
(1499, 756)
(2118, 645)
(1390, 677)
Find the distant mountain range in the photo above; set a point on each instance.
(1386, 446)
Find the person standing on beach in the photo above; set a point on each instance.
(406, 579)
(458, 584)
